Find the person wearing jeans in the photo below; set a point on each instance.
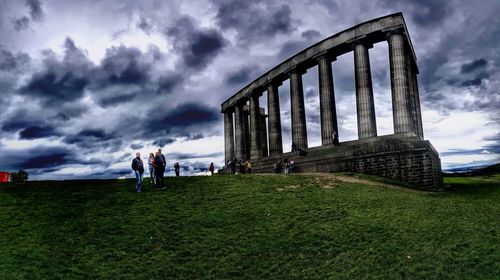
(151, 162)
(138, 168)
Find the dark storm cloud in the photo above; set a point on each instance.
(494, 145)
(21, 119)
(21, 23)
(35, 7)
(183, 156)
(189, 114)
(36, 158)
(476, 81)
(87, 136)
(54, 88)
(162, 142)
(124, 65)
(11, 62)
(110, 101)
(135, 147)
(167, 84)
(310, 35)
(291, 48)
(474, 65)
(242, 76)
(60, 81)
(197, 46)
(180, 121)
(36, 132)
(254, 19)
(35, 12)
(426, 13)
(145, 25)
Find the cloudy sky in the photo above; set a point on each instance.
(84, 84)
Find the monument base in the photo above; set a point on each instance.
(402, 157)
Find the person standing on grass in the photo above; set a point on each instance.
(291, 167)
(177, 168)
(248, 167)
(212, 168)
(159, 165)
(294, 148)
(138, 168)
(151, 162)
(163, 158)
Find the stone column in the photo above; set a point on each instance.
(239, 115)
(328, 112)
(299, 132)
(228, 136)
(263, 132)
(365, 106)
(247, 132)
(411, 94)
(399, 83)
(420, 129)
(274, 120)
(255, 139)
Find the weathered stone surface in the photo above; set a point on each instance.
(228, 136)
(274, 120)
(402, 157)
(255, 138)
(399, 84)
(239, 123)
(365, 105)
(328, 112)
(299, 131)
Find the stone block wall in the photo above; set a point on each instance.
(399, 157)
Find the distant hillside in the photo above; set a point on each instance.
(490, 170)
(476, 171)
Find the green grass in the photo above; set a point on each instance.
(250, 226)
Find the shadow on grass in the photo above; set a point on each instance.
(472, 185)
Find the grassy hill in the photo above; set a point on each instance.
(251, 226)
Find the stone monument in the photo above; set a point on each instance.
(404, 155)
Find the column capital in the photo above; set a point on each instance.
(254, 94)
(360, 41)
(229, 109)
(297, 70)
(325, 55)
(392, 31)
(274, 82)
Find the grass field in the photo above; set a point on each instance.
(250, 226)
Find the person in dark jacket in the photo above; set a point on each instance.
(159, 165)
(177, 169)
(138, 168)
(212, 168)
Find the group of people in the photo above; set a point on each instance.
(284, 166)
(239, 166)
(156, 164)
